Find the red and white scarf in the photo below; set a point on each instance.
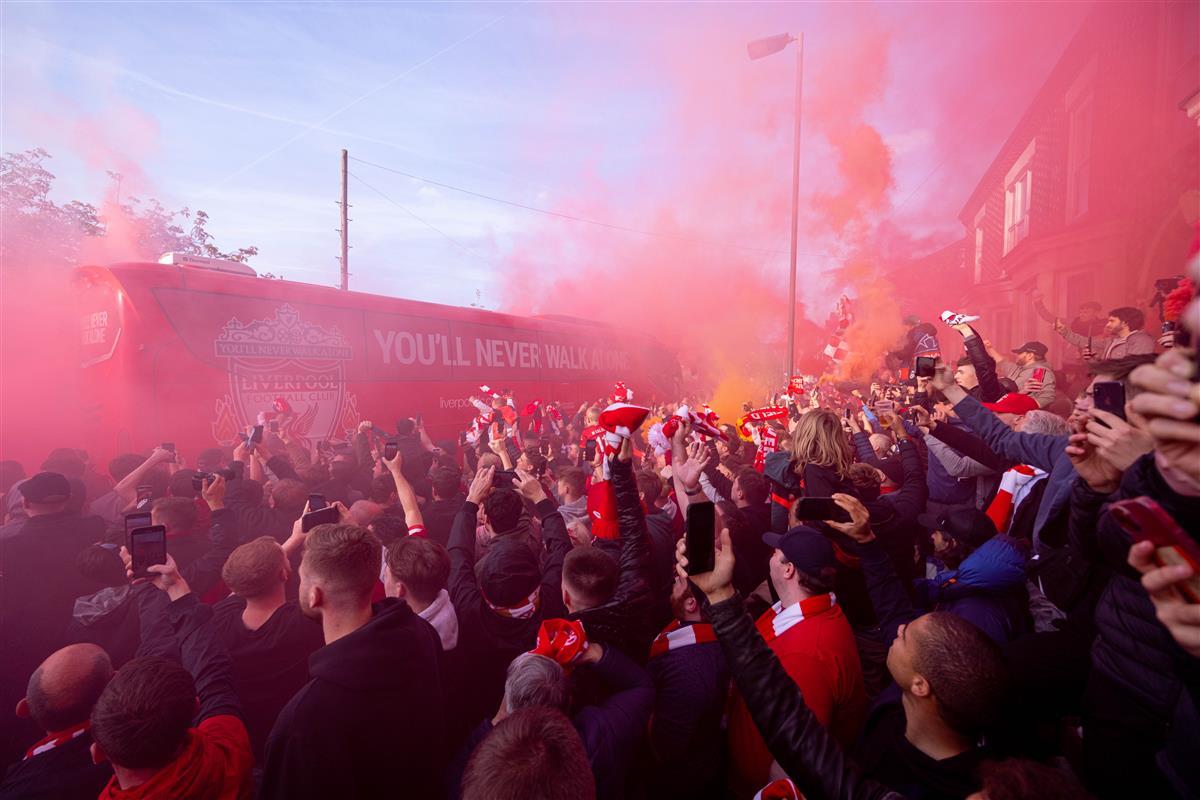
(782, 789)
(53, 740)
(675, 636)
(524, 610)
(1014, 485)
(768, 443)
(777, 620)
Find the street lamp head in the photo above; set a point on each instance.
(761, 48)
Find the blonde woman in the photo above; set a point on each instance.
(817, 466)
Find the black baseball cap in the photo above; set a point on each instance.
(1035, 347)
(509, 572)
(804, 547)
(46, 488)
(967, 525)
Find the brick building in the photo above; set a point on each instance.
(1096, 192)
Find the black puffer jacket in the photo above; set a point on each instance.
(626, 621)
(989, 389)
(804, 748)
(1133, 650)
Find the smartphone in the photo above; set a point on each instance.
(1146, 521)
(925, 367)
(256, 434)
(589, 451)
(168, 446)
(325, 516)
(136, 519)
(420, 422)
(819, 509)
(273, 426)
(1039, 374)
(390, 449)
(144, 495)
(201, 479)
(1109, 396)
(316, 502)
(700, 530)
(503, 479)
(147, 546)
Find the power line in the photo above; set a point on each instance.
(429, 225)
(585, 220)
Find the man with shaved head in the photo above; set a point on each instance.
(61, 693)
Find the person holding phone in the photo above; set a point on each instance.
(1031, 372)
(142, 722)
(812, 638)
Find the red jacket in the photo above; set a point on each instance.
(215, 765)
(820, 655)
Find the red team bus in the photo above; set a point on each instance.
(192, 350)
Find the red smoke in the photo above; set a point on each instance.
(722, 173)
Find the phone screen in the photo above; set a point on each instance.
(144, 495)
(137, 519)
(147, 546)
(701, 525)
(589, 451)
(503, 479)
(925, 367)
(389, 450)
(1109, 396)
(257, 434)
(325, 516)
(819, 509)
(1039, 374)
(168, 446)
(316, 502)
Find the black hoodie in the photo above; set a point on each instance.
(370, 721)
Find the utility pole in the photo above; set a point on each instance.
(791, 346)
(345, 230)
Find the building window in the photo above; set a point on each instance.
(1018, 192)
(1079, 157)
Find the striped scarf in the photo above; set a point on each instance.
(524, 610)
(675, 636)
(1013, 487)
(53, 740)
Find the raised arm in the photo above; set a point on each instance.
(464, 587)
(1036, 449)
(225, 534)
(801, 745)
(126, 488)
(404, 491)
(633, 580)
(554, 539)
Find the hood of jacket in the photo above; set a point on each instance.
(998, 566)
(778, 467)
(365, 660)
(92, 608)
(440, 614)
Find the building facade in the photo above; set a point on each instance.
(1096, 192)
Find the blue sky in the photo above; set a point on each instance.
(241, 109)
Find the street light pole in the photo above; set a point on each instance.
(761, 48)
(791, 345)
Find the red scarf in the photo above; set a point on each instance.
(776, 620)
(53, 740)
(675, 636)
(782, 789)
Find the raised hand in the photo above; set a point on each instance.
(718, 584)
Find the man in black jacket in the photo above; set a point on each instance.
(370, 721)
(448, 500)
(36, 593)
(499, 611)
(691, 682)
(59, 699)
(950, 676)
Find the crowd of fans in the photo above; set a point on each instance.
(962, 579)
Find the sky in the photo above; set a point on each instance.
(644, 116)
